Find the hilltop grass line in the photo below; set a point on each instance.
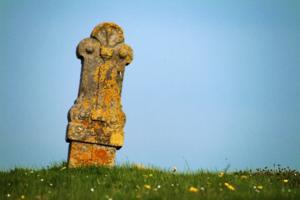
(138, 182)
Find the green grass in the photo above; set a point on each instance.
(131, 182)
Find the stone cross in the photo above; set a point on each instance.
(96, 120)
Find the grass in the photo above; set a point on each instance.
(136, 182)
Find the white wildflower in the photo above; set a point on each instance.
(174, 169)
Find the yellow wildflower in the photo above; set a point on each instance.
(285, 180)
(193, 189)
(22, 196)
(147, 187)
(244, 177)
(221, 174)
(229, 186)
(139, 166)
(259, 187)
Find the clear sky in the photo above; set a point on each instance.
(212, 82)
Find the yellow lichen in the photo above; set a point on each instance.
(109, 34)
(85, 104)
(107, 25)
(117, 139)
(106, 52)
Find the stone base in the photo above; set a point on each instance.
(86, 154)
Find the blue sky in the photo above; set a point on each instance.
(212, 82)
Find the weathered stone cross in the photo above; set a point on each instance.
(96, 120)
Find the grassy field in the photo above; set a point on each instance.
(138, 182)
